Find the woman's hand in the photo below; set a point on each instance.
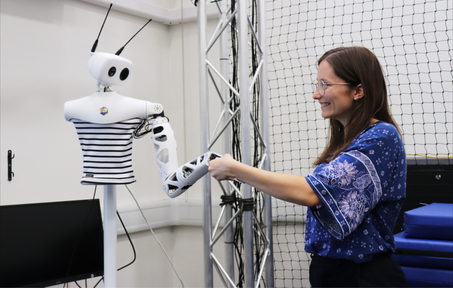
(222, 168)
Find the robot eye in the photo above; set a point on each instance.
(112, 71)
(124, 74)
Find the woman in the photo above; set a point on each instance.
(357, 189)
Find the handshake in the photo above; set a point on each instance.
(186, 175)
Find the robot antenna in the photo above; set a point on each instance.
(95, 44)
(122, 48)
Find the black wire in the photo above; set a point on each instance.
(239, 245)
(238, 237)
(128, 237)
(130, 241)
(258, 151)
(132, 245)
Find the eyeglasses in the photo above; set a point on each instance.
(322, 86)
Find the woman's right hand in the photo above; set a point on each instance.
(222, 168)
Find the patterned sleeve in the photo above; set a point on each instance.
(352, 184)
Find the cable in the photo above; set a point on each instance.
(152, 232)
(257, 208)
(128, 237)
(132, 245)
(130, 241)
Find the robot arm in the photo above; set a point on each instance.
(165, 145)
(175, 179)
(163, 138)
(186, 175)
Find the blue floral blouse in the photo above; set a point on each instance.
(362, 191)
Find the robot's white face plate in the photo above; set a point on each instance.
(109, 69)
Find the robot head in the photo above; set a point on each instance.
(110, 69)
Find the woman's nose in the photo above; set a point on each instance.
(316, 94)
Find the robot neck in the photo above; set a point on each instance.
(101, 88)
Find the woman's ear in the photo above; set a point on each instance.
(358, 92)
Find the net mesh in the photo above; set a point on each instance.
(413, 41)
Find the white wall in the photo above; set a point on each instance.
(44, 51)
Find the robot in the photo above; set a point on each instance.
(106, 123)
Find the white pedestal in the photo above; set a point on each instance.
(110, 236)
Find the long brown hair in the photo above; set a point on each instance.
(356, 65)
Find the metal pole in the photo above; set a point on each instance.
(204, 105)
(110, 236)
(264, 91)
(224, 64)
(245, 137)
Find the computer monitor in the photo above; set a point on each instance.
(45, 244)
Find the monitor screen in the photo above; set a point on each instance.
(45, 244)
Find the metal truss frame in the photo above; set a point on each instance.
(219, 80)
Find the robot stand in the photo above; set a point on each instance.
(110, 236)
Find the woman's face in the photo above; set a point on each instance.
(336, 103)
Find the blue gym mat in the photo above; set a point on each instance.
(434, 221)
